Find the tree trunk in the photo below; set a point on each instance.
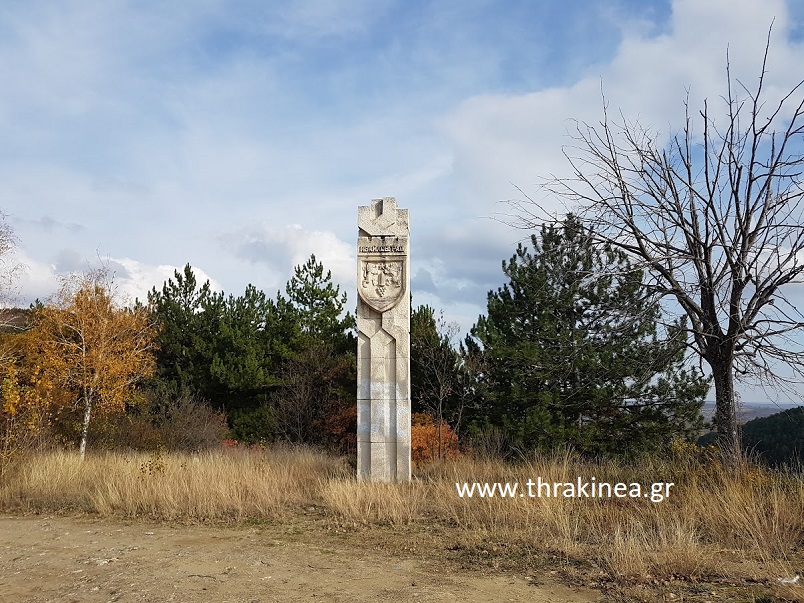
(726, 409)
(440, 437)
(85, 426)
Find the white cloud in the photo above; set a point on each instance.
(133, 279)
(35, 280)
(505, 139)
(280, 249)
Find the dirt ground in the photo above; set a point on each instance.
(101, 560)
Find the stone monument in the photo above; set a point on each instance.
(383, 344)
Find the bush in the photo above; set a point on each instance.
(424, 432)
(186, 424)
(191, 424)
(339, 429)
(21, 433)
(254, 426)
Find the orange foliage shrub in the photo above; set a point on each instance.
(424, 439)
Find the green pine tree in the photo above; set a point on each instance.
(318, 304)
(315, 403)
(227, 350)
(573, 353)
(186, 314)
(254, 338)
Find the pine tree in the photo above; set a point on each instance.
(573, 352)
(318, 378)
(186, 314)
(276, 367)
(227, 350)
(253, 338)
(319, 305)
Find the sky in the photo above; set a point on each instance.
(240, 136)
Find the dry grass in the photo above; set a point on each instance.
(740, 524)
(232, 484)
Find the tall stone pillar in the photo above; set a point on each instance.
(383, 348)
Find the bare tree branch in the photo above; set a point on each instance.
(715, 218)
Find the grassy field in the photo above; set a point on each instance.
(733, 530)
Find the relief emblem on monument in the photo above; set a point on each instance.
(382, 282)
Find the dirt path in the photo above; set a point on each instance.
(99, 560)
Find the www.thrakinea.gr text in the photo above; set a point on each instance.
(579, 488)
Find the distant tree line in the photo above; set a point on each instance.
(280, 369)
(187, 370)
(570, 353)
(778, 439)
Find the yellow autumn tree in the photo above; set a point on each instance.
(87, 348)
(14, 424)
(24, 401)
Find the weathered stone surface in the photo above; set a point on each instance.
(383, 348)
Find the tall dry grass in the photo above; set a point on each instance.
(221, 485)
(739, 522)
(718, 518)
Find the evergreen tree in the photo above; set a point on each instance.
(227, 350)
(187, 315)
(317, 395)
(253, 339)
(278, 368)
(319, 305)
(573, 352)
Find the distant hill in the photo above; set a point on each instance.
(14, 320)
(778, 439)
(749, 410)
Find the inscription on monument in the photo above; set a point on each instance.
(368, 248)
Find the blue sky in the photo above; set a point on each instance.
(240, 136)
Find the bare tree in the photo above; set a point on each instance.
(714, 217)
(12, 320)
(310, 391)
(436, 369)
(9, 266)
(301, 399)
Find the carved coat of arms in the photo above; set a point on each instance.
(381, 282)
